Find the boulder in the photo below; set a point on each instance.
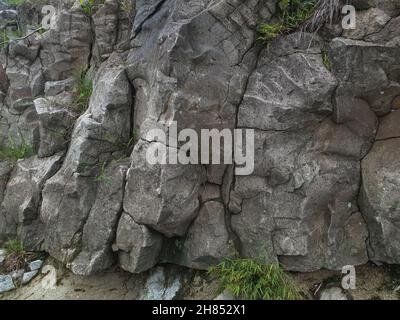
(106, 29)
(299, 207)
(369, 22)
(285, 92)
(99, 136)
(207, 241)
(138, 246)
(363, 68)
(100, 228)
(6, 283)
(163, 197)
(22, 198)
(334, 293)
(55, 125)
(379, 201)
(66, 48)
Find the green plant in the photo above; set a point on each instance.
(15, 151)
(88, 6)
(268, 32)
(251, 280)
(102, 177)
(16, 256)
(126, 5)
(309, 15)
(82, 91)
(15, 2)
(5, 39)
(325, 59)
(13, 246)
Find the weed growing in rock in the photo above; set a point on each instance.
(13, 246)
(82, 91)
(325, 59)
(126, 5)
(15, 151)
(102, 177)
(15, 256)
(4, 39)
(309, 15)
(15, 2)
(89, 6)
(251, 280)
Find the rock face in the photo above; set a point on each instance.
(325, 114)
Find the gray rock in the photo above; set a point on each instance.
(391, 7)
(301, 201)
(225, 296)
(161, 287)
(6, 283)
(388, 127)
(29, 276)
(35, 265)
(23, 197)
(333, 293)
(100, 228)
(55, 125)
(287, 94)
(3, 79)
(368, 22)
(66, 48)
(106, 29)
(17, 276)
(139, 247)
(207, 241)
(163, 197)
(102, 133)
(7, 16)
(379, 200)
(381, 101)
(349, 57)
(53, 88)
(2, 256)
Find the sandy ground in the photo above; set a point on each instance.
(373, 283)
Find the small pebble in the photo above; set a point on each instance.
(35, 265)
(6, 283)
(28, 276)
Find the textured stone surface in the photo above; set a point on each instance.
(325, 113)
(22, 198)
(6, 284)
(29, 276)
(139, 247)
(164, 197)
(100, 228)
(334, 293)
(379, 200)
(102, 131)
(66, 49)
(55, 125)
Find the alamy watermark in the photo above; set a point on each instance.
(216, 147)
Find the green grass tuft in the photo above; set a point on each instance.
(14, 2)
(14, 246)
(82, 91)
(325, 59)
(16, 152)
(102, 177)
(90, 6)
(293, 13)
(309, 15)
(251, 280)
